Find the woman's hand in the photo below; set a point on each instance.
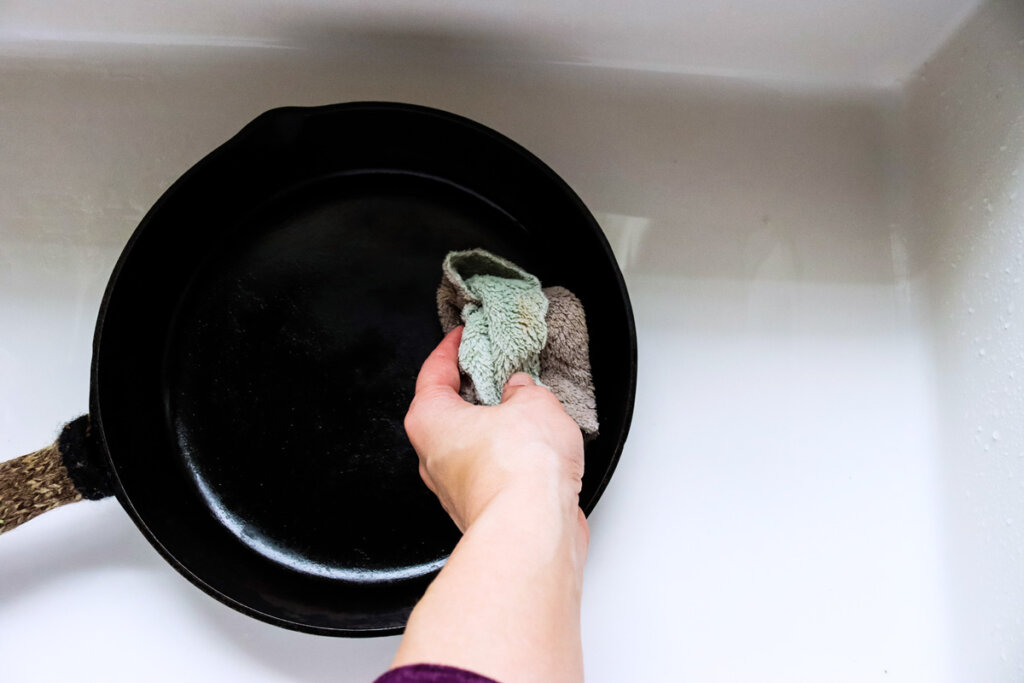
(527, 448)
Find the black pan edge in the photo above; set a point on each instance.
(256, 127)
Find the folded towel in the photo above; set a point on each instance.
(512, 325)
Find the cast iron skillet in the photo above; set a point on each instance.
(258, 342)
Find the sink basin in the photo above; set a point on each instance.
(818, 209)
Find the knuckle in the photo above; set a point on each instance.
(412, 418)
(532, 390)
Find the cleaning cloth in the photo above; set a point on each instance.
(513, 325)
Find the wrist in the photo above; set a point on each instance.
(527, 505)
(540, 534)
(539, 484)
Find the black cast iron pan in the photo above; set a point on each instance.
(258, 342)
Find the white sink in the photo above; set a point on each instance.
(819, 211)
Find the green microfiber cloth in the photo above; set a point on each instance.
(504, 313)
(506, 322)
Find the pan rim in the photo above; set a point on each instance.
(240, 138)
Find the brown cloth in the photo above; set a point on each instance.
(564, 359)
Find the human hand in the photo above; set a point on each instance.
(469, 455)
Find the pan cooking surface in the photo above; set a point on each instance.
(293, 359)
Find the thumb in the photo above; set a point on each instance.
(441, 368)
(520, 379)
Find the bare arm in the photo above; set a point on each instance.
(507, 603)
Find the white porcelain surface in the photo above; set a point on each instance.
(825, 474)
(827, 42)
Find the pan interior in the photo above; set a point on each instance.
(292, 359)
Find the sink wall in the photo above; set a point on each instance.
(823, 479)
(965, 115)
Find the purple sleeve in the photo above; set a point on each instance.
(432, 673)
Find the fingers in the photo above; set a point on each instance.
(437, 389)
(519, 379)
(441, 368)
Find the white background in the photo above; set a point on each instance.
(819, 217)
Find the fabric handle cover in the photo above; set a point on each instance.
(70, 469)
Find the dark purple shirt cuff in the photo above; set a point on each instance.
(432, 673)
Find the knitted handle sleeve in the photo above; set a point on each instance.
(71, 468)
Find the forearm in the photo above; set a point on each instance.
(507, 603)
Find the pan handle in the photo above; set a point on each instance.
(70, 469)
